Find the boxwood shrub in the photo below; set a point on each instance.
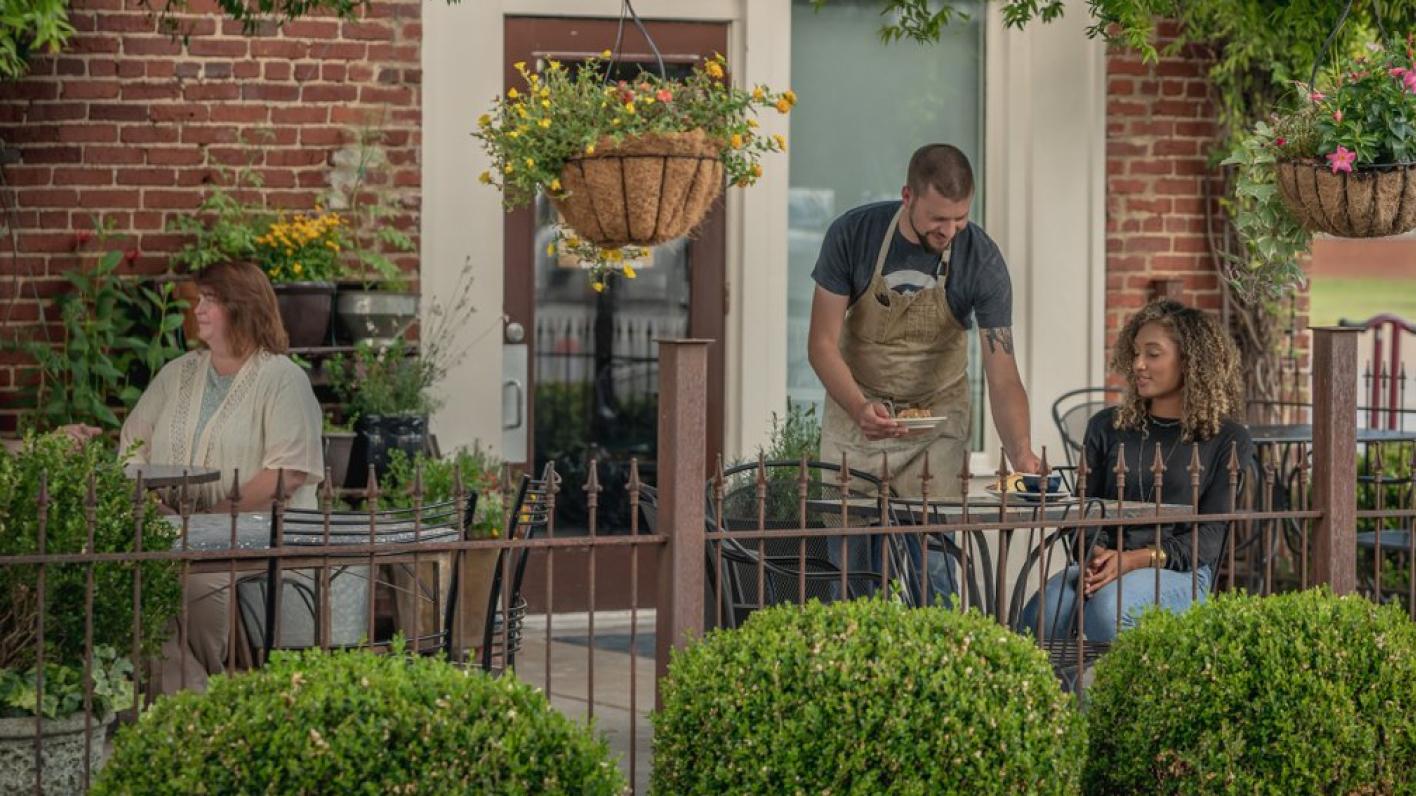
(865, 697)
(356, 722)
(1296, 693)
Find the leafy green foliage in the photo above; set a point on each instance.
(112, 690)
(223, 228)
(1368, 108)
(67, 468)
(480, 472)
(383, 380)
(118, 332)
(1294, 693)
(370, 210)
(1276, 241)
(356, 722)
(865, 697)
(30, 28)
(794, 436)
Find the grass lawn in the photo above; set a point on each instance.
(1360, 298)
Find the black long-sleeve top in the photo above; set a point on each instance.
(1104, 442)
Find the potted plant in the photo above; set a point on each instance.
(379, 307)
(301, 254)
(338, 441)
(1338, 160)
(64, 470)
(628, 164)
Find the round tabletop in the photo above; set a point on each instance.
(1302, 433)
(158, 476)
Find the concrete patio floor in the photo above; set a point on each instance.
(570, 681)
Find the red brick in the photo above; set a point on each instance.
(244, 114)
(172, 200)
(375, 95)
(165, 70)
(311, 29)
(1172, 146)
(246, 70)
(321, 136)
(282, 48)
(339, 51)
(179, 113)
(326, 93)
(53, 242)
(1183, 108)
(207, 134)
(167, 90)
(307, 72)
(1177, 187)
(300, 115)
(277, 70)
(150, 134)
(82, 176)
(124, 23)
(1149, 166)
(57, 111)
(147, 176)
(1147, 243)
(150, 45)
(270, 92)
(199, 92)
(367, 31)
(90, 89)
(175, 156)
(88, 133)
(118, 112)
(221, 48)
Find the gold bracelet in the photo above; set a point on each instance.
(1158, 557)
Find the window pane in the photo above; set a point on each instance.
(864, 108)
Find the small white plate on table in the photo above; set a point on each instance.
(1053, 498)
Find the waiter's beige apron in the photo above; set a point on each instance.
(909, 350)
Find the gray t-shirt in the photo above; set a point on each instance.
(978, 284)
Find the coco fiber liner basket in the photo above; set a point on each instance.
(1371, 202)
(642, 191)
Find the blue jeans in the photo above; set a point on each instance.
(1099, 613)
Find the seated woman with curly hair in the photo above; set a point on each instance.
(1182, 390)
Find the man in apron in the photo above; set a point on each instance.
(897, 286)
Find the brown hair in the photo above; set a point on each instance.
(1209, 363)
(252, 316)
(942, 167)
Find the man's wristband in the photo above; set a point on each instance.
(1158, 558)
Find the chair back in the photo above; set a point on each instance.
(791, 570)
(433, 522)
(530, 516)
(1385, 400)
(1073, 410)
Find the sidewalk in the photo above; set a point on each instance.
(570, 680)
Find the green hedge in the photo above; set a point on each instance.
(865, 697)
(355, 722)
(1296, 693)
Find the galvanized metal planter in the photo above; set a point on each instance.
(375, 316)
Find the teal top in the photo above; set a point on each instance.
(217, 386)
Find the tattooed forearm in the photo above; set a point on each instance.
(1001, 337)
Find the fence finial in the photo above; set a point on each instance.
(1120, 471)
(1195, 468)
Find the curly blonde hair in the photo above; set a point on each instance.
(1209, 365)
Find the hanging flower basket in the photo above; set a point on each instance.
(1365, 203)
(627, 163)
(642, 191)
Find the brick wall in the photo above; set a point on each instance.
(132, 124)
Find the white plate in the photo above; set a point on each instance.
(1060, 496)
(919, 422)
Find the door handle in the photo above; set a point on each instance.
(520, 399)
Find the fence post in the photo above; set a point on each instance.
(683, 424)
(1335, 458)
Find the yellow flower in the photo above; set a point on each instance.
(599, 287)
(789, 96)
(614, 255)
(508, 168)
(512, 93)
(758, 94)
(781, 141)
(545, 103)
(782, 105)
(544, 122)
(512, 134)
(555, 65)
(530, 164)
(615, 122)
(629, 107)
(752, 124)
(296, 268)
(647, 100)
(550, 250)
(555, 184)
(484, 121)
(521, 111)
(737, 141)
(606, 54)
(485, 178)
(714, 69)
(589, 149)
(757, 169)
(545, 92)
(519, 66)
(629, 272)
(573, 242)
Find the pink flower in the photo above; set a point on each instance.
(1280, 141)
(1317, 96)
(1337, 116)
(1410, 80)
(1341, 160)
(1397, 71)
(664, 95)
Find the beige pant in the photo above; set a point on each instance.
(208, 637)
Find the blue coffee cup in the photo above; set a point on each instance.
(1033, 482)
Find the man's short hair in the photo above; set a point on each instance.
(942, 167)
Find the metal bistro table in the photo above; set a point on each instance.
(212, 532)
(161, 476)
(1297, 434)
(985, 508)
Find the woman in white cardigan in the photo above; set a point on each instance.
(239, 405)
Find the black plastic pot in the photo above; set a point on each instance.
(305, 309)
(338, 446)
(376, 436)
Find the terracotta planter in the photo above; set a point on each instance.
(305, 308)
(63, 754)
(1368, 203)
(338, 447)
(642, 191)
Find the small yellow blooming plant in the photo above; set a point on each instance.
(303, 247)
(564, 112)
